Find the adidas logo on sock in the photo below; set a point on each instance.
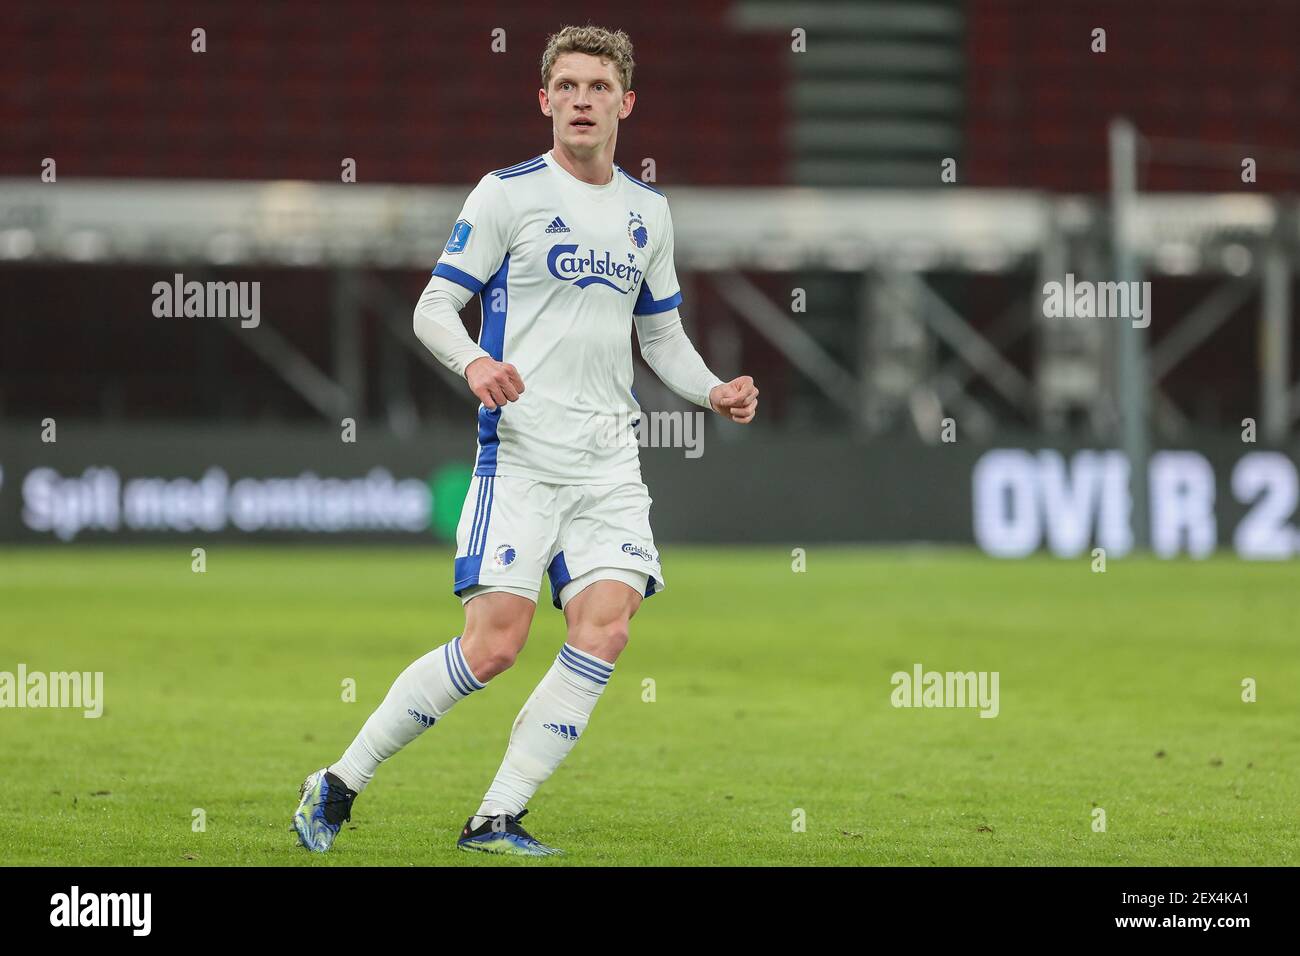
(567, 731)
(557, 225)
(422, 719)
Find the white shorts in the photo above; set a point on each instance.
(513, 529)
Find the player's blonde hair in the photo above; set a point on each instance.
(614, 45)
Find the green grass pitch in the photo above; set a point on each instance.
(1120, 691)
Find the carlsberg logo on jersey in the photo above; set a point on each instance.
(594, 268)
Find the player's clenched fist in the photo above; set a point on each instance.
(737, 399)
(495, 383)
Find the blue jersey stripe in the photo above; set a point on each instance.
(523, 172)
(451, 273)
(647, 304)
(495, 301)
(526, 162)
(637, 181)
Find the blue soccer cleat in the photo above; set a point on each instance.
(503, 834)
(325, 803)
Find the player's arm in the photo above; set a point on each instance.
(669, 352)
(438, 327)
(478, 244)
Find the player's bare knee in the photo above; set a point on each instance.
(498, 654)
(496, 628)
(605, 640)
(491, 650)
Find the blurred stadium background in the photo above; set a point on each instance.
(819, 246)
(914, 387)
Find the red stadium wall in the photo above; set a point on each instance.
(410, 90)
(1211, 71)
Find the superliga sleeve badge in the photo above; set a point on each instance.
(459, 236)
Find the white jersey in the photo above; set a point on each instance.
(561, 267)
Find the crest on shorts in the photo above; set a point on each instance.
(505, 556)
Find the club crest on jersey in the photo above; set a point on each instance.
(582, 269)
(636, 231)
(459, 236)
(505, 556)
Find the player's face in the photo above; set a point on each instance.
(585, 101)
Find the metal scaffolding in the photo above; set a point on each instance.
(914, 356)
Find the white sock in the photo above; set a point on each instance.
(421, 695)
(551, 722)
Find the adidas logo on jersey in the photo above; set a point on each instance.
(567, 731)
(557, 225)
